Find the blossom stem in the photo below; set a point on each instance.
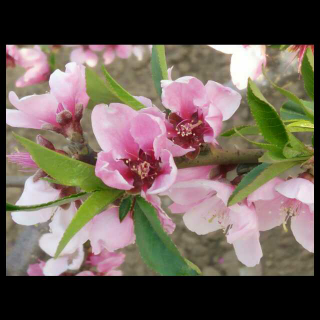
(220, 156)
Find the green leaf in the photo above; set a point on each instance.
(159, 67)
(52, 61)
(67, 171)
(307, 70)
(155, 246)
(300, 126)
(125, 207)
(293, 111)
(270, 147)
(266, 117)
(95, 204)
(59, 202)
(244, 130)
(298, 146)
(123, 95)
(98, 90)
(258, 177)
(309, 113)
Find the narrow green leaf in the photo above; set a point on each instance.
(309, 113)
(298, 146)
(59, 202)
(300, 126)
(125, 207)
(95, 204)
(293, 111)
(266, 117)
(67, 171)
(123, 95)
(98, 90)
(159, 67)
(307, 70)
(274, 157)
(155, 246)
(265, 146)
(244, 130)
(258, 177)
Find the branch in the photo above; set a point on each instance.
(220, 156)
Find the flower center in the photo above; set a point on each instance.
(188, 132)
(144, 170)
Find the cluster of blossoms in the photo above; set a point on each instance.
(87, 53)
(34, 60)
(137, 155)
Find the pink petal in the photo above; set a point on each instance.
(269, 213)
(35, 193)
(69, 87)
(183, 95)
(265, 192)
(248, 249)
(113, 172)
(111, 127)
(167, 224)
(97, 47)
(302, 227)
(297, 188)
(78, 55)
(55, 267)
(123, 51)
(227, 49)
(40, 107)
(213, 117)
(109, 233)
(247, 63)
(109, 55)
(36, 269)
(19, 119)
(168, 174)
(91, 58)
(201, 218)
(224, 98)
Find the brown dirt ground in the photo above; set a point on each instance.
(282, 254)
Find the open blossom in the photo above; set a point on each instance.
(106, 263)
(205, 205)
(35, 61)
(55, 109)
(136, 152)
(84, 54)
(197, 111)
(246, 62)
(107, 232)
(277, 201)
(23, 159)
(36, 269)
(12, 55)
(35, 193)
(71, 257)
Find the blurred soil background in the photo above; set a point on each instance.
(282, 255)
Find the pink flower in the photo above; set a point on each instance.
(12, 55)
(60, 110)
(246, 62)
(279, 200)
(107, 232)
(36, 269)
(106, 262)
(72, 255)
(35, 193)
(84, 54)
(197, 111)
(121, 51)
(136, 152)
(35, 61)
(205, 202)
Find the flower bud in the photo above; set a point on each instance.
(44, 142)
(64, 117)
